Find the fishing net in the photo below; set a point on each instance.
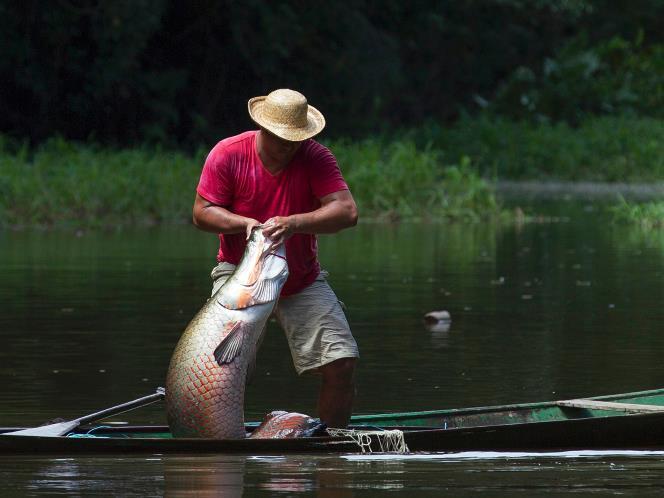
(391, 441)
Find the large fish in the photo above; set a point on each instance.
(207, 374)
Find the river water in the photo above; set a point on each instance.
(567, 306)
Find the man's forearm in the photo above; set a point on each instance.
(216, 219)
(329, 218)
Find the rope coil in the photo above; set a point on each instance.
(391, 441)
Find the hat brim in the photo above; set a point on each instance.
(315, 122)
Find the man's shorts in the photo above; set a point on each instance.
(315, 325)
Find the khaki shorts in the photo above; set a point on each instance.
(315, 325)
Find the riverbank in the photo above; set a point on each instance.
(590, 191)
(433, 174)
(68, 184)
(610, 149)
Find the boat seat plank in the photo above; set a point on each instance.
(592, 404)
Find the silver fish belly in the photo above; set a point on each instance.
(207, 374)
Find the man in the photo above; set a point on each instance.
(278, 176)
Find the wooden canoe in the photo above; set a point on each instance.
(632, 420)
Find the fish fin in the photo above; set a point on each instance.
(230, 346)
(266, 291)
(262, 291)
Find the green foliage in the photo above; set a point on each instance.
(398, 179)
(613, 149)
(648, 214)
(615, 76)
(149, 71)
(66, 183)
(429, 172)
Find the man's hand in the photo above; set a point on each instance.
(251, 223)
(279, 228)
(218, 219)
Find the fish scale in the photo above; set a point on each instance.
(204, 393)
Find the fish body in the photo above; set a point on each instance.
(287, 425)
(207, 374)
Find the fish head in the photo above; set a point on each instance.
(269, 256)
(287, 425)
(260, 275)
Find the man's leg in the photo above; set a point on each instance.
(337, 390)
(321, 342)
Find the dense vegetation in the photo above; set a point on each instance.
(647, 214)
(71, 184)
(426, 102)
(129, 71)
(607, 149)
(431, 173)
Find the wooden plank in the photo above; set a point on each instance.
(592, 404)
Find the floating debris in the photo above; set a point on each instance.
(437, 316)
(498, 281)
(438, 321)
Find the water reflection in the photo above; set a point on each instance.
(201, 476)
(540, 311)
(440, 333)
(532, 307)
(594, 473)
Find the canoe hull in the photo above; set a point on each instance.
(538, 426)
(634, 432)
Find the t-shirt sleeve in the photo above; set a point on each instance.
(325, 175)
(216, 182)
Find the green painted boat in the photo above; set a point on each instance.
(623, 421)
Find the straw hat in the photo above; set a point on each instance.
(286, 114)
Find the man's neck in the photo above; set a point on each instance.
(272, 165)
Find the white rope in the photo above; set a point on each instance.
(391, 441)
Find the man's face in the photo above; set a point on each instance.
(277, 149)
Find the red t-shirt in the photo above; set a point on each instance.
(234, 177)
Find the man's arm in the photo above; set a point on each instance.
(337, 211)
(216, 219)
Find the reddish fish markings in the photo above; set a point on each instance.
(207, 375)
(287, 425)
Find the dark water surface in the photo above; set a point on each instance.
(234, 476)
(571, 306)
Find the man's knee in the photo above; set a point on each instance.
(339, 372)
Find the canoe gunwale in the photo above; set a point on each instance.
(584, 430)
(479, 410)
